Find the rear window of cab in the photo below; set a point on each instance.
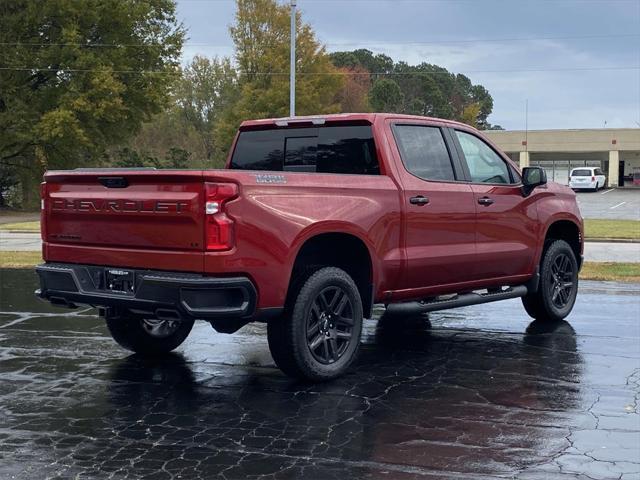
(347, 149)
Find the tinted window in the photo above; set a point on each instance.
(259, 150)
(599, 172)
(581, 173)
(347, 150)
(300, 154)
(424, 152)
(485, 165)
(339, 149)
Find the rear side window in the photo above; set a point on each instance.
(258, 150)
(338, 149)
(424, 152)
(581, 173)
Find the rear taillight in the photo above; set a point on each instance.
(218, 227)
(593, 179)
(43, 211)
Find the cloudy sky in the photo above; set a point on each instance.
(577, 62)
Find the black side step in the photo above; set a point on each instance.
(462, 300)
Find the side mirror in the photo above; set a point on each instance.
(532, 177)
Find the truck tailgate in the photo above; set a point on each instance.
(149, 210)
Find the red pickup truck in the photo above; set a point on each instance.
(313, 221)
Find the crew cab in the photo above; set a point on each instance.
(313, 220)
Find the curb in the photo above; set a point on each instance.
(587, 239)
(611, 240)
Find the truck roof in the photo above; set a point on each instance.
(339, 117)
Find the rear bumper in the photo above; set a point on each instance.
(167, 294)
(585, 185)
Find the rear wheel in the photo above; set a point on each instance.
(147, 336)
(319, 337)
(558, 286)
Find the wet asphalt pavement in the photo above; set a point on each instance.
(479, 392)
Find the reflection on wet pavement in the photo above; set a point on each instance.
(473, 393)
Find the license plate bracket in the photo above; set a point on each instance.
(119, 280)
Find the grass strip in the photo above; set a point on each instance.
(20, 259)
(603, 229)
(619, 272)
(22, 226)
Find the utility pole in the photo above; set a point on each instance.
(292, 68)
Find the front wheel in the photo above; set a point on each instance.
(558, 286)
(319, 337)
(148, 336)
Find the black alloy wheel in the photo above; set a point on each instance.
(147, 335)
(558, 287)
(329, 325)
(318, 337)
(562, 273)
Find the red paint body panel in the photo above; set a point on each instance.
(453, 244)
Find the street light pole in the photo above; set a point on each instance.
(292, 74)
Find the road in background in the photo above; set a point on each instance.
(610, 204)
(20, 242)
(18, 217)
(594, 251)
(611, 252)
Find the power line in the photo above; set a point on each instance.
(331, 44)
(337, 73)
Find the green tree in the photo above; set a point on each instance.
(386, 96)
(78, 76)
(375, 64)
(261, 37)
(423, 89)
(206, 88)
(163, 132)
(8, 180)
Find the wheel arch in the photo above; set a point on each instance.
(338, 248)
(567, 230)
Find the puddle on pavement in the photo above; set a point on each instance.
(477, 391)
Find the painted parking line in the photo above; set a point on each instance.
(618, 205)
(607, 191)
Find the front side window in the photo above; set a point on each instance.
(485, 165)
(424, 152)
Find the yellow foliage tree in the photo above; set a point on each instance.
(261, 34)
(470, 114)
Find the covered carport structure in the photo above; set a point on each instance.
(615, 150)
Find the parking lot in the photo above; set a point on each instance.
(612, 204)
(480, 392)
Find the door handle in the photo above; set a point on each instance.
(486, 201)
(418, 200)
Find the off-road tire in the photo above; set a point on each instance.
(128, 331)
(291, 338)
(547, 304)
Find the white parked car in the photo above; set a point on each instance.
(587, 178)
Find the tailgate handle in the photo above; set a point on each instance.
(114, 182)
